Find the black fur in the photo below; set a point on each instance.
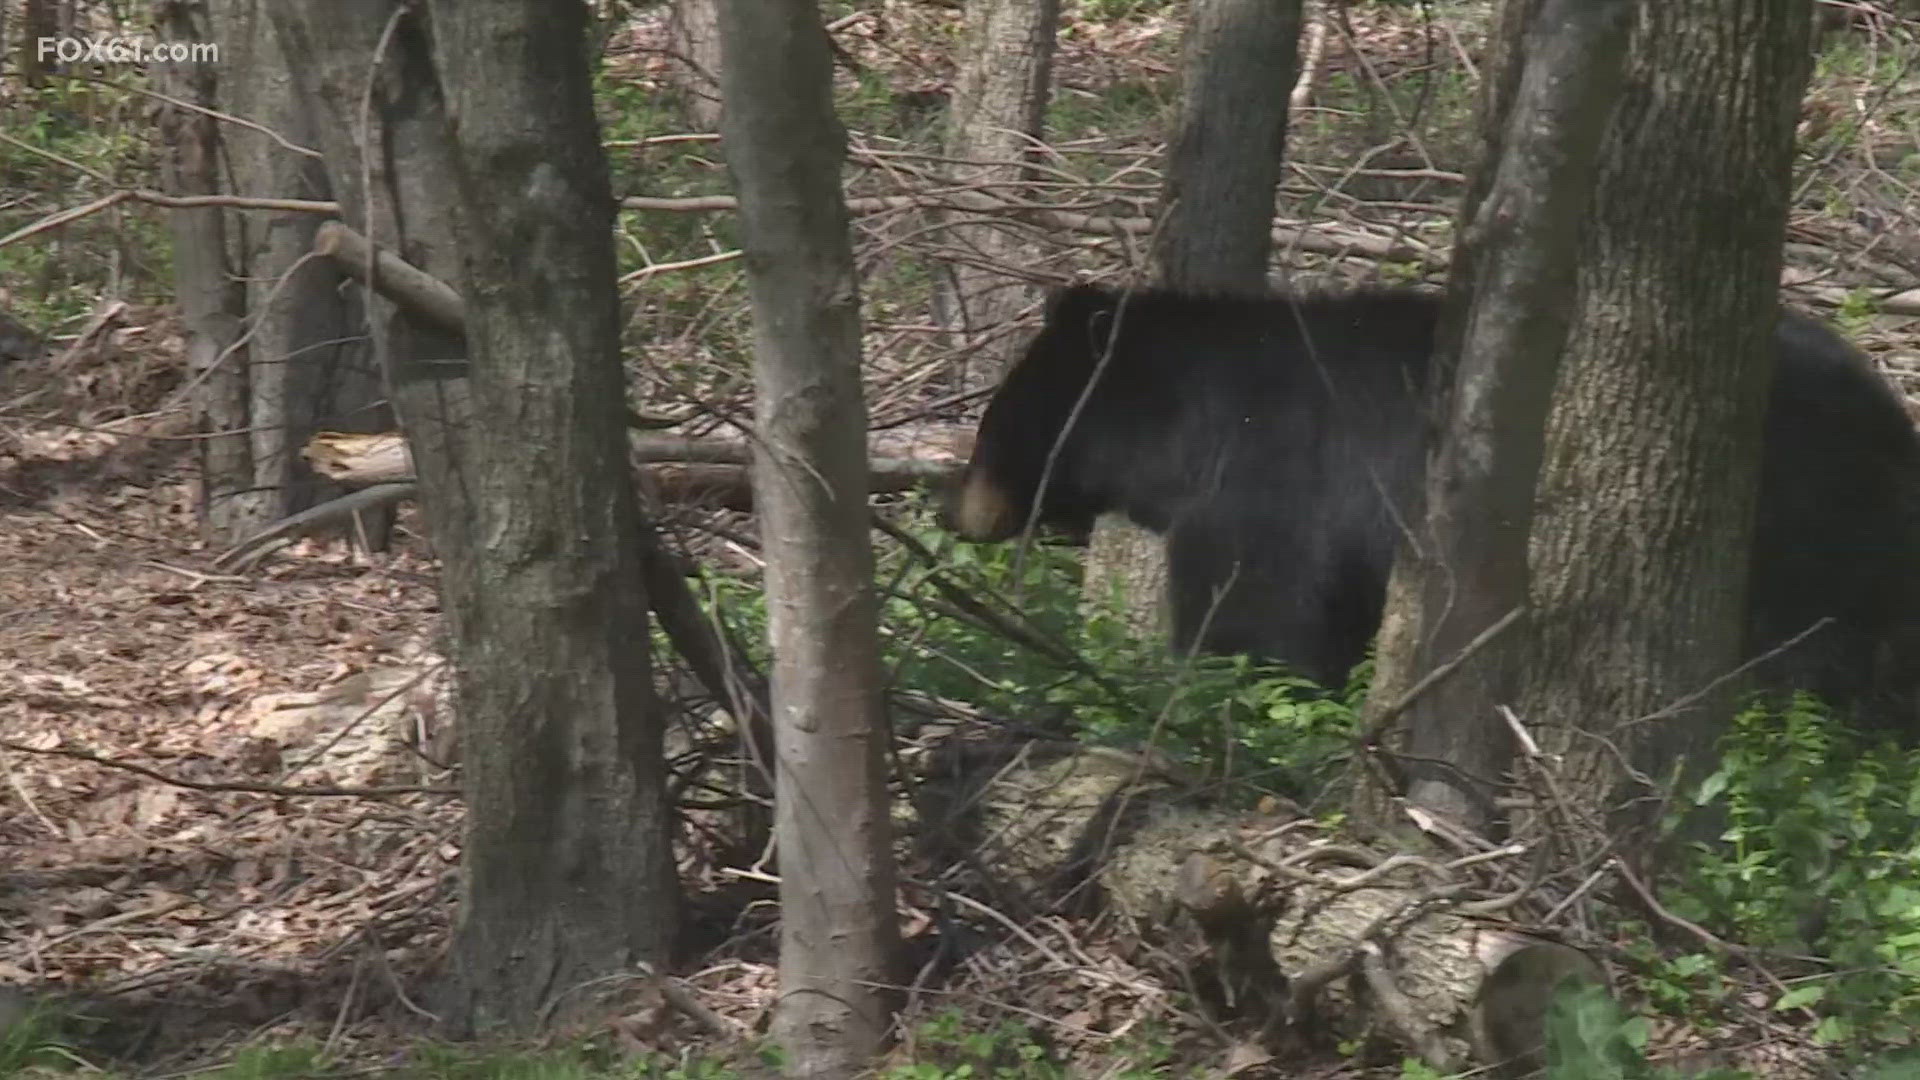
(1274, 441)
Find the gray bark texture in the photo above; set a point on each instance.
(1237, 70)
(997, 116)
(37, 22)
(212, 300)
(1286, 933)
(1512, 296)
(1398, 644)
(1639, 555)
(838, 938)
(567, 868)
(311, 366)
(1216, 227)
(696, 44)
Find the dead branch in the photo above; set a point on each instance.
(397, 280)
(730, 486)
(172, 202)
(287, 790)
(679, 469)
(388, 471)
(251, 550)
(406, 285)
(1311, 53)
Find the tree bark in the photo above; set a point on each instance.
(1511, 297)
(37, 22)
(1216, 225)
(212, 299)
(567, 868)
(557, 603)
(695, 26)
(678, 470)
(996, 118)
(838, 939)
(1126, 576)
(1639, 554)
(310, 366)
(1248, 911)
(1237, 71)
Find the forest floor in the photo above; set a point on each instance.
(159, 715)
(228, 822)
(225, 820)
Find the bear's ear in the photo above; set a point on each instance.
(1076, 303)
(1084, 312)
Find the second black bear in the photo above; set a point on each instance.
(1274, 441)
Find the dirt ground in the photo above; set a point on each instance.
(159, 719)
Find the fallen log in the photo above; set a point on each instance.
(1285, 928)
(675, 470)
(355, 459)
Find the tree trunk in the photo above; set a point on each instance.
(1639, 553)
(996, 117)
(568, 873)
(1511, 300)
(1126, 576)
(838, 939)
(37, 24)
(1237, 68)
(696, 45)
(212, 300)
(1216, 227)
(309, 368)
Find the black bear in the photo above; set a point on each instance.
(1275, 442)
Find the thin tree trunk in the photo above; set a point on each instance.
(212, 299)
(996, 118)
(567, 868)
(311, 368)
(1639, 554)
(36, 25)
(1397, 645)
(1237, 71)
(695, 26)
(1511, 299)
(1216, 228)
(838, 939)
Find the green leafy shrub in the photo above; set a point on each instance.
(1238, 718)
(948, 1050)
(1591, 1037)
(1819, 855)
(1074, 669)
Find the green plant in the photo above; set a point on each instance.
(1118, 10)
(1818, 855)
(274, 1063)
(1590, 1037)
(1239, 718)
(661, 1066)
(1856, 312)
(953, 1051)
(1147, 1052)
(586, 1060)
(70, 142)
(35, 1039)
(1676, 985)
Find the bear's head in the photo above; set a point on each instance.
(1026, 467)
